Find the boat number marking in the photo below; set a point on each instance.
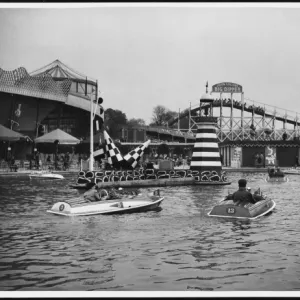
(231, 210)
(61, 207)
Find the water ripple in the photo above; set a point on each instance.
(177, 248)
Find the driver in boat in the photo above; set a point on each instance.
(242, 196)
(93, 193)
(275, 172)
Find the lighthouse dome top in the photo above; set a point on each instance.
(206, 98)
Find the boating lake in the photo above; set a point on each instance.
(178, 248)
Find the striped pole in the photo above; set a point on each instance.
(206, 154)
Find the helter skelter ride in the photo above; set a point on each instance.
(206, 163)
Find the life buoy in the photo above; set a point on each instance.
(129, 178)
(105, 179)
(181, 173)
(204, 178)
(122, 178)
(149, 171)
(119, 173)
(114, 178)
(108, 173)
(136, 173)
(81, 174)
(214, 178)
(165, 176)
(99, 174)
(160, 173)
(81, 180)
(89, 174)
(103, 194)
(99, 179)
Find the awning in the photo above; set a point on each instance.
(57, 135)
(7, 134)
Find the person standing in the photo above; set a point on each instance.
(37, 160)
(262, 159)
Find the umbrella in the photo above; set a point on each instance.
(7, 134)
(57, 135)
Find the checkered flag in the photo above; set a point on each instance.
(100, 152)
(134, 156)
(114, 155)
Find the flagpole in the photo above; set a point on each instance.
(91, 162)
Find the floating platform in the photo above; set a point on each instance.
(141, 183)
(151, 183)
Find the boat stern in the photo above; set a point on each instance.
(228, 209)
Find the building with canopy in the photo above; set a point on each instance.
(54, 96)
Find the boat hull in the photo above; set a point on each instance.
(45, 175)
(277, 179)
(119, 206)
(227, 209)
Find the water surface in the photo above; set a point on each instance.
(178, 248)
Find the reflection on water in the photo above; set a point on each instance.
(178, 248)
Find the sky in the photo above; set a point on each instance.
(144, 55)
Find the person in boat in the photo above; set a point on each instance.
(242, 196)
(275, 172)
(93, 193)
(279, 173)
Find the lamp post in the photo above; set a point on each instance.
(92, 116)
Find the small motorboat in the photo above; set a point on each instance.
(292, 171)
(276, 175)
(250, 211)
(129, 204)
(45, 175)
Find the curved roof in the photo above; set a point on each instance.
(59, 71)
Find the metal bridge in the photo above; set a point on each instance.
(245, 120)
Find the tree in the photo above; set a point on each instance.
(114, 120)
(161, 115)
(136, 122)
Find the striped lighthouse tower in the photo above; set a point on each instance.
(206, 155)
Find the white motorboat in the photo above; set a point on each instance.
(129, 204)
(45, 175)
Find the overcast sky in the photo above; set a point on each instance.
(146, 56)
